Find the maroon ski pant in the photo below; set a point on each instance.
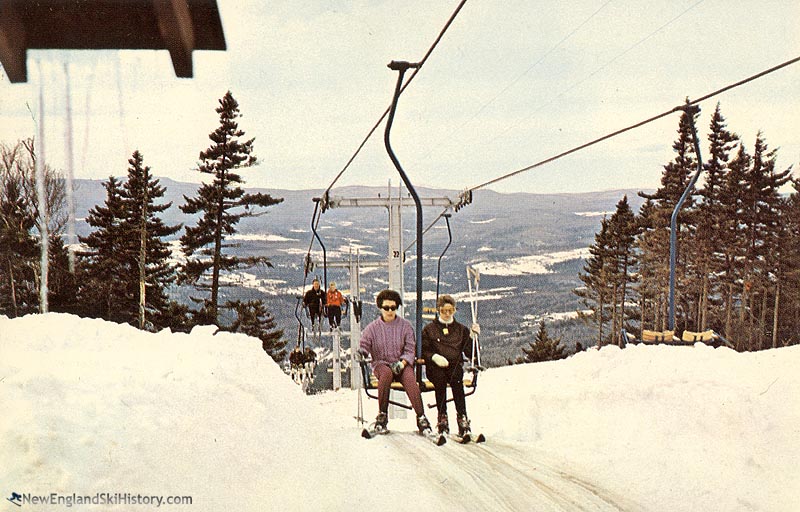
(409, 381)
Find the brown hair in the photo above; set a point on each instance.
(388, 295)
(445, 299)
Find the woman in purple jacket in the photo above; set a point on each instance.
(390, 341)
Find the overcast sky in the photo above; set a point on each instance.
(511, 83)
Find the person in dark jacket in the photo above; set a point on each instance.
(296, 360)
(310, 358)
(314, 300)
(444, 343)
(390, 340)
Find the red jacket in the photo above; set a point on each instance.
(334, 298)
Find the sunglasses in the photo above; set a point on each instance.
(389, 308)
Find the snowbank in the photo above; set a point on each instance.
(92, 407)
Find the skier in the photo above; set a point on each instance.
(296, 360)
(444, 340)
(310, 359)
(389, 339)
(314, 300)
(334, 300)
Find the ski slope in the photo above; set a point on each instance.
(92, 407)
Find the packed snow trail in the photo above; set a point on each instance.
(501, 477)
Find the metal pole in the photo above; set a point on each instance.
(402, 67)
(324, 252)
(439, 263)
(41, 198)
(690, 111)
(71, 240)
(337, 361)
(355, 326)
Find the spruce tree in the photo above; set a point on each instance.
(762, 207)
(789, 321)
(107, 263)
(654, 243)
(596, 276)
(18, 248)
(221, 205)
(148, 251)
(732, 258)
(622, 234)
(711, 239)
(544, 348)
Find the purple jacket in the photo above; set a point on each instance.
(388, 343)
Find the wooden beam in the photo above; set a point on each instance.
(12, 43)
(175, 26)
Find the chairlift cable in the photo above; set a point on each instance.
(403, 88)
(603, 66)
(639, 124)
(435, 220)
(528, 70)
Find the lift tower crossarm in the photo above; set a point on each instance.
(386, 202)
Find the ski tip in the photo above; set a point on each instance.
(480, 439)
(365, 434)
(441, 440)
(466, 439)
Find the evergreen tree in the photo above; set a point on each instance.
(222, 204)
(596, 276)
(145, 233)
(544, 348)
(759, 223)
(622, 235)
(711, 239)
(253, 319)
(731, 258)
(654, 244)
(107, 262)
(789, 321)
(18, 249)
(127, 270)
(62, 284)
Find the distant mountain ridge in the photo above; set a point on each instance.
(495, 231)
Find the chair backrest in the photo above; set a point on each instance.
(657, 336)
(704, 336)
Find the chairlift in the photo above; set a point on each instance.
(668, 337)
(370, 382)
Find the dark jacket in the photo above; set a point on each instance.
(314, 299)
(449, 341)
(296, 358)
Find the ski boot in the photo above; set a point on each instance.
(381, 422)
(442, 425)
(423, 424)
(463, 425)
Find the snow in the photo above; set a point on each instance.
(92, 407)
(593, 214)
(260, 237)
(534, 264)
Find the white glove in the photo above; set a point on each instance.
(476, 328)
(440, 361)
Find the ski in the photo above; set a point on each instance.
(437, 439)
(371, 433)
(466, 439)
